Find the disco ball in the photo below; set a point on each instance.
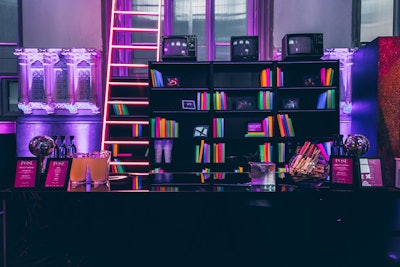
(356, 144)
(41, 146)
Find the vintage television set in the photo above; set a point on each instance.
(244, 48)
(302, 46)
(179, 48)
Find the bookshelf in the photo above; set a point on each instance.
(250, 111)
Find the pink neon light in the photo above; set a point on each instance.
(138, 13)
(138, 47)
(135, 29)
(128, 122)
(129, 65)
(130, 163)
(128, 83)
(138, 102)
(127, 142)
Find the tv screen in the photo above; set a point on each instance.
(179, 47)
(244, 48)
(299, 45)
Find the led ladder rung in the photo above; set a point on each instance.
(136, 47)
(129, 83)
(126, 142)
(137, 102)
(128, 122)
(136, 13)
(126, 65)
(124, 29)
(130, 163)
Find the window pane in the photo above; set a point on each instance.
(230, 19)
(376, 19)
(9, 21)
(190, 18)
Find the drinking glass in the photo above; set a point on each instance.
(99, 164)
(78, 168)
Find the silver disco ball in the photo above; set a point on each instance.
(356, 144)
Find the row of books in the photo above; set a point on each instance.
(218, 127)
(285, 125)
(120, 109)
(163, 128)
(137, 130)
(156, 78)
(265, 100)
(203, 101)
(326, 100)
(116, 168)
(203, 152)
(266, 152)
(326, 76)
(220, 100)
(267, 129)
(279, 77)
(266, 77)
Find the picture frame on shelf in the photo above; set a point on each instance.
(242, 103)
(188, 105)
(290, 103)
(200, 131)
(370, 172)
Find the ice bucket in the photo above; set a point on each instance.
(262, 174)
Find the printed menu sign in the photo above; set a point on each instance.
(371, 172)
(342, 170)
(26, 172)
(57, 171)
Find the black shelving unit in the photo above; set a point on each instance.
(239, 83)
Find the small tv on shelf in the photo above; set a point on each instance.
(244, 48)
(302, 46)
(179, 48)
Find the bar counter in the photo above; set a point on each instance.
(211, 222)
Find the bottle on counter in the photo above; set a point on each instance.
(63, 147)
(71, 148)
(56, 151)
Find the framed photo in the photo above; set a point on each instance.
(242, 103)
(188, 104)
(172, 81)
(370, 172)
(290, 103)
(200, 131)
(57, 173)
(27, 173)
(342, 171)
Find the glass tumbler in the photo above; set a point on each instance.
(78, 168)
(99, 164)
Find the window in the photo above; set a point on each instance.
(8, 35)
(212, 21)
(376, 19)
